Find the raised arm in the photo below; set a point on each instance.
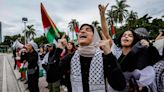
(112, 70)
(104, 25)
(159, 36)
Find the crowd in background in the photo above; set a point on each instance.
(130, 63)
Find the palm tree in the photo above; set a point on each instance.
(141, 22)
(29, 32)
(95, 23)
(120, 10)
(132, 16)
(111, 18)
(72, 26)
(131, 19)
(162, 16)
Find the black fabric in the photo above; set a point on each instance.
(45, 66)
(41, 56)
(85, 65)
(32, 59)
(139, 57)
(33, 81)
(112, 70)
(53, 71)
(23, 57)
(14, 56)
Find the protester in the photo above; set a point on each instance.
(161, 34)
(52, 69)
(138, 73)
(89, 66)
(41, 57)
(14, 56)
(20, 64)
(159, 43)
(23, 67)
(149, 54)
(159, 66)
(69, 49)
(33, 68)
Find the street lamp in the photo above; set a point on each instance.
(24, 20)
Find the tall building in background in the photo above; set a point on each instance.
(0, 32)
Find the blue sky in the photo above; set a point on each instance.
(62, 11)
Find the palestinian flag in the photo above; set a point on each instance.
(76, 28)
(113, 32)
(51, 31)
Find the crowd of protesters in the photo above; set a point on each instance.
(131, 63)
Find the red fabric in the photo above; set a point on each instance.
(113, 31)
(23, 75)
(18, 64)
(76, 27)
(45, 19)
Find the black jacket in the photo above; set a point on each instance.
(139, 57)
(53, 71)
(31, 58)
(112, 71)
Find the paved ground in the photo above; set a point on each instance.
(9, 76)
(1, 71)
(8, 82)
(42, 81)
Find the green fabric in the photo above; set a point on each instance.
(22, 69)
(41, 73)
(51, 34)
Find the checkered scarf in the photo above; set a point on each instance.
(96, 73)
(159, 68)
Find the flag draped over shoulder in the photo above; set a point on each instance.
(51, 31)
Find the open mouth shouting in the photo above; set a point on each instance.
(82, 37)
(125, 40)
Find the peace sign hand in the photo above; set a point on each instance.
(105, 44)
(102, 9)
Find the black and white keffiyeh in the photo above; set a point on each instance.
(159, 68)
(96, 73)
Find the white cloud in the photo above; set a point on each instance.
(62, 11)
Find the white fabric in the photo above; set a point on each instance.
(159, 68)
(89, 50)
(116, 50)
(159, 44)
(17, 45)
(34, 45)
(45, 59)
(143, 77)
(96, 73)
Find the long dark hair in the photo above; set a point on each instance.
(73, 47)
(135, 39)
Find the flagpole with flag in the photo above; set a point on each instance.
(51, 31)
(76, 28)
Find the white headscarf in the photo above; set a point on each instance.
(34, 45)
(89, 51)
